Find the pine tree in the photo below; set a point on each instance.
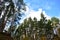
(10, 14)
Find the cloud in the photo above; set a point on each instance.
(32, 13)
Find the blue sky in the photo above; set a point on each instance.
(51, 7)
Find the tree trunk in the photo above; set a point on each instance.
(4, 36)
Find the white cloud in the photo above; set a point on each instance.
(32, 13)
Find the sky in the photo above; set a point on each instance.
(50, 7)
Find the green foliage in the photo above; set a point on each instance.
(39, 28)
(54, 19)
